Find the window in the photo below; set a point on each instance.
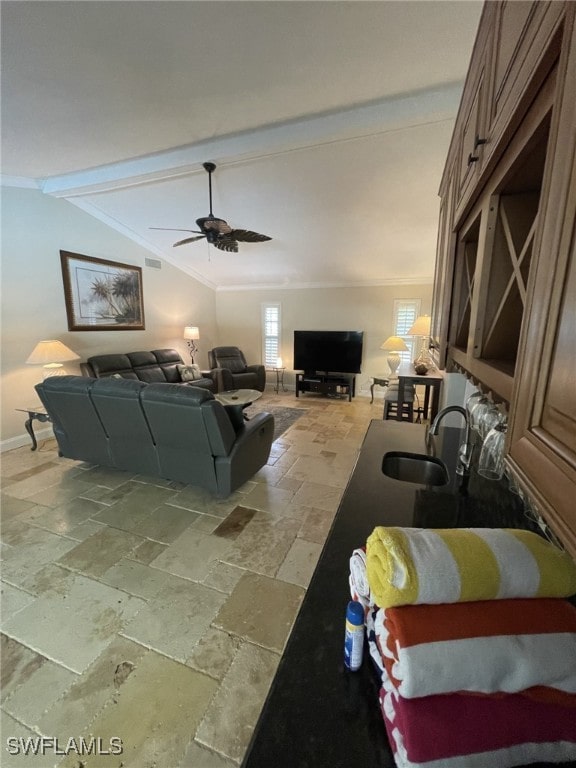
(271, 334)
(405, 313)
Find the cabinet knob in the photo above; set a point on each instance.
(478, 141)
(472, 158)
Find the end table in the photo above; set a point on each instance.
(381, 382)
(279, 379)
(35, 413)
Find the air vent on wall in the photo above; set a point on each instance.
(154, 263)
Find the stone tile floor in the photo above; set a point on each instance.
(148, 611)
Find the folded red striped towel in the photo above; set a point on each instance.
(487, 646)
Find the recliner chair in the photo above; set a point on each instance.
(231, 371)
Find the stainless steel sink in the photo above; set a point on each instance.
(414, 468)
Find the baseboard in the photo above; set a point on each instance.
(20, 440)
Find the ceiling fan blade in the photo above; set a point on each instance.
(172, 229)
(188, 240)
(226, 244)
(247, 236)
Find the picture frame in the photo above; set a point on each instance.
(102, 295)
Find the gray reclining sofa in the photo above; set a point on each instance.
(158, 366)
(166, 430)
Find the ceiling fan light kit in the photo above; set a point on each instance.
(217, 231)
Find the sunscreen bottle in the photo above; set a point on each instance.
(354, 637)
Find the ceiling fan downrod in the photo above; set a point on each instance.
(210, 167)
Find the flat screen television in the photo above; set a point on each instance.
(328, 351)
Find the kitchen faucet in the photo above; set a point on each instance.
(465, 450)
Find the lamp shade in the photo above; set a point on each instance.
(191, 332)
(51, 351)
(394, 344)
(421, 326)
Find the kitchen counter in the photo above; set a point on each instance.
(317, 713)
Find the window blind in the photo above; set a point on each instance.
(270, 334)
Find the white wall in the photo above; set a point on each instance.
(35, 228)
(357, 309)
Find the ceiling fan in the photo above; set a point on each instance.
(217, 231)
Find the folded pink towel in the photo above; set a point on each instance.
(466, 731)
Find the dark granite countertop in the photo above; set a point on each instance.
(317, 713)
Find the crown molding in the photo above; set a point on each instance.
(21, 182)
(96, 213)
(422, 280)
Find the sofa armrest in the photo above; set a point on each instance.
(87, 370)
(252, 430)
(249, 453)
(223, 379)
(260, 372)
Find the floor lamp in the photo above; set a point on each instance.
(192, 334)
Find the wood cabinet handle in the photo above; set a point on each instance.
(477, 142)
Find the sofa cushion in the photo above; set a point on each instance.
(233, 363)
(130, 440)
(107, 365)
(146, 367)
(169, 360)
(76, 423)
(189, 372)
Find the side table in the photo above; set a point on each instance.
(381, 382)
(431, 380)
(279, 379)
(35, 413)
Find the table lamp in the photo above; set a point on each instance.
(394, 345)
(421, 328)
(191, 334)
(51, 354)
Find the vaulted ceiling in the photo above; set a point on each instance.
(329, 122)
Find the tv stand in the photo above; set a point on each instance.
(325, 383)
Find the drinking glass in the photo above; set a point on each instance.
(477, 412)
(488, 419)
(491, 462)
(471, 400)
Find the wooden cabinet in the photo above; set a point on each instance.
(504, 293)
(542, 447)
(472, 141)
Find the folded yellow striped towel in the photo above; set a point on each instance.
(421, 565)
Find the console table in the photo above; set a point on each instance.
(35, 413)
(432, 381)
(327, 384)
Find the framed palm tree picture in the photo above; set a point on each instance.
(102, 295)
